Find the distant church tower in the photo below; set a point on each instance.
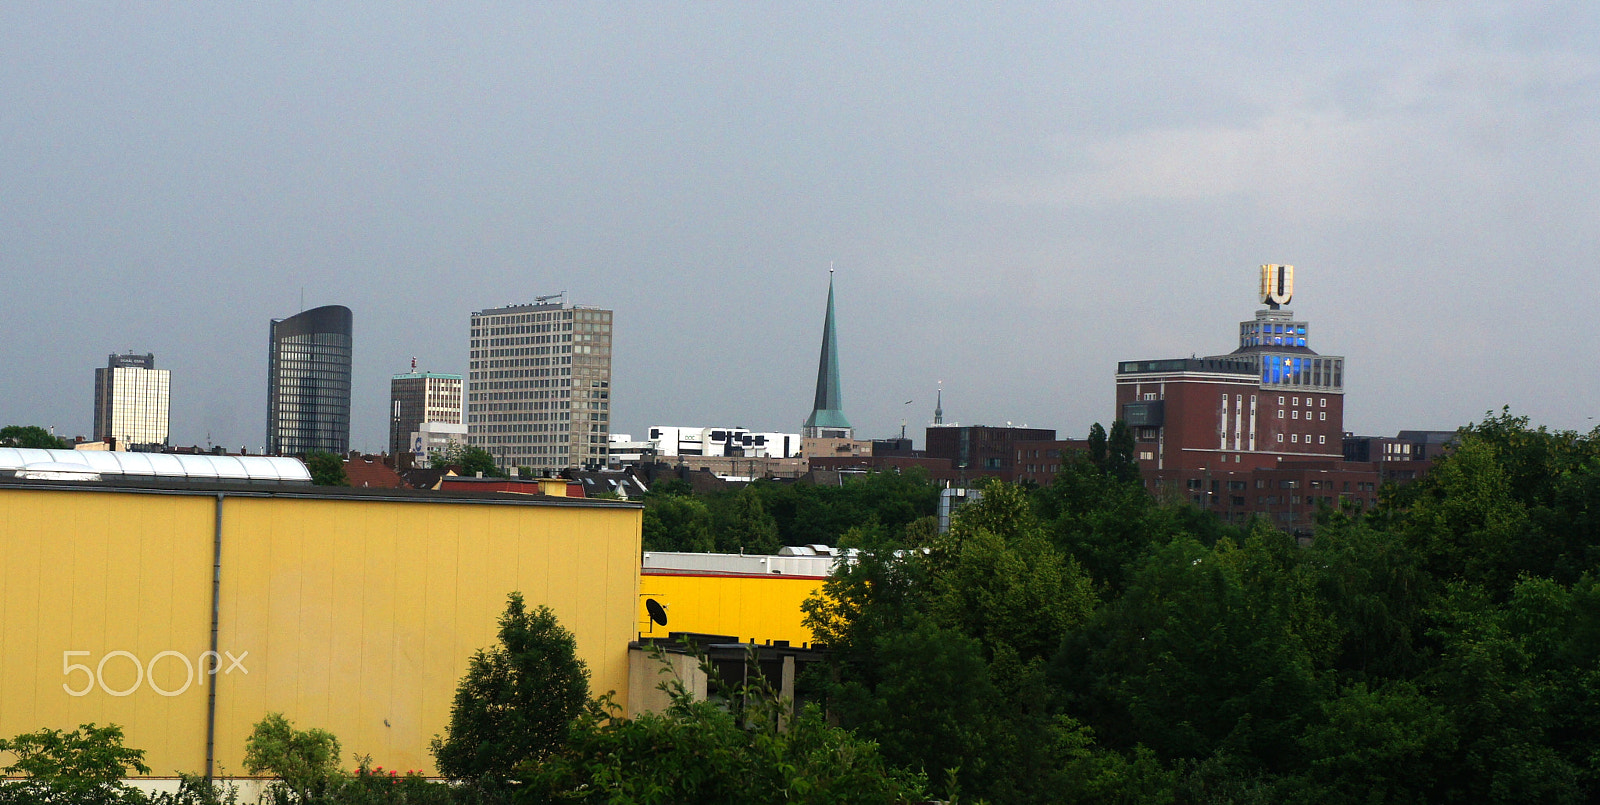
(827, 410)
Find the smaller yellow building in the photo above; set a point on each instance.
(731, 609)
(753, 598)
(758, 609)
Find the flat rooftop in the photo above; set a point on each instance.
(178, 486)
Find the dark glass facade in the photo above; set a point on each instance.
(308, 382)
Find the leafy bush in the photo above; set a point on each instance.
(82, 767)
(746, 750)
(327, 469)
(306, 761)
(517, 700)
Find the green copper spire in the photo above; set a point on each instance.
(827, 411)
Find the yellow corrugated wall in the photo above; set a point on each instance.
(355, 616)
(99, 573)
(762, 608)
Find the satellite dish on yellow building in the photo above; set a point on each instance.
(658, 613)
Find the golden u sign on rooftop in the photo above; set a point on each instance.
(1277, 285)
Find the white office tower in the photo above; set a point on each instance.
(131, 401)
(539, 386)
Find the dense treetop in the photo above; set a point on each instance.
(1085, 642)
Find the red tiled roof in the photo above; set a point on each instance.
(373, 474)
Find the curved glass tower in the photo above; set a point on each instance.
(308, 382)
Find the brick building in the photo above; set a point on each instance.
(980, 449)
(1287, 493)
(1271, 399)
(1039, 461)
(1260, 429)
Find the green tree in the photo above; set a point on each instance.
(468, 460)
(517, 700)
(1097, 445)
(671, 486)
(31, 436)
(996, 578)
(1517, 676)
(1208, 649)
(979, 610)
(808, 513)
(1120, 451)
(1391, 744)
(306, 762)
(1373, 586)
(327, 469)
(676, 523)
(745, 749)
(1103, 522)
(85, 767)
(901, 699)
(743, 525)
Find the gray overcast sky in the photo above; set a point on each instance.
(1016, 196)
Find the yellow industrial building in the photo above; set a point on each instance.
(354, 611)
(758, 609)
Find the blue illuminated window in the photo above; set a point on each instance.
(1301, 329)
(1300, 342)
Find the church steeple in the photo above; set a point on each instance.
(938, 406)
(827, 409)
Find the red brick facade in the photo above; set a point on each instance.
(1039, 461)
(1288, 493)
(1212, 419)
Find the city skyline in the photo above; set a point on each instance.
(1015, 200)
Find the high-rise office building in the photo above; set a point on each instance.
(308, 382)
(419, 397)
(539, 385)
(131, 401)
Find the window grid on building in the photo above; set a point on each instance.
(539, 386)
